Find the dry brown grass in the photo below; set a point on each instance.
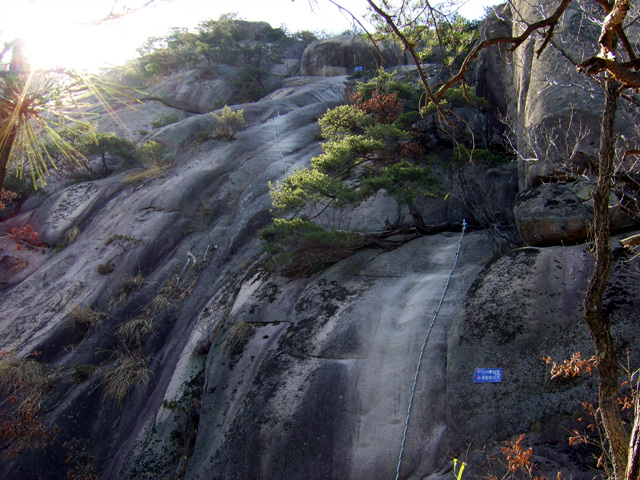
(159, 303)
(128, 371)
(153, 170)
(183, 294)
(25, 376)
(200, 217)
(237, 334)
(135, 331)
(86, 320)
(128, 286)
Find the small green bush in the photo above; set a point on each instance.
(151, 153)
(407, 119)
(227, 124)
(164, 120)
(385, 83)
(342, 120)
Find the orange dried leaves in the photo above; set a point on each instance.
(571, 367)
(6, 197)
(517, 457)
(383, 107)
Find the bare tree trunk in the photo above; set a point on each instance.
(633, 462)
(597, 321)
(6, 145)
(8, 115)
(417, 217)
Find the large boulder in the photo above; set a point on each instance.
(553, 213)
(341, 55)
(196, 90)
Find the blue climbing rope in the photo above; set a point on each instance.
(275, 139)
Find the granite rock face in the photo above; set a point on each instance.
(255, 375)
(553, 110)
(525, 306)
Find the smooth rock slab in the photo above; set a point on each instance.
(326, 396)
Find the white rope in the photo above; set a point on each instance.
(275, 139)
(424, 344)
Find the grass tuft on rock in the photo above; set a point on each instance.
(127, 372)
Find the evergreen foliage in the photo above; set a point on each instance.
(164, 120)
(386, 82)
(342, 120)
(89, 144)
(462, 155)
(459, 97)
(449, 41)
(227, 124)
(363, 154)
(305, 248)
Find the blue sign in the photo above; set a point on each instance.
(358, 69)
(487, 375)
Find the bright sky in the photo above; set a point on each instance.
(55, 36)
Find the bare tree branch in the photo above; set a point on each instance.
(515, 42)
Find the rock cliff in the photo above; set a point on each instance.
(250, 374)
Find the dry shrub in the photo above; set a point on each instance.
(27, 382)
(86, 320)
(106, 268)
(81, 465)
(135, 331)
(383, 107)
(128, 371)
(23, 428)
(131, 284)
(312, 258)
(84, 471)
